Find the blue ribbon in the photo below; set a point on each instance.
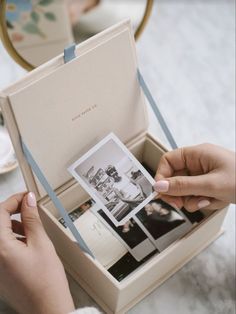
(55, 200)
(156, 111)
(69, 53)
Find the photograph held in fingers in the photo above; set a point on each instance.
(115, 179)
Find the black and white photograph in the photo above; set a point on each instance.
(163, 223)
(79, 211)
(115, 179)
(133, 237)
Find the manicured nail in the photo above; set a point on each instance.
(31, 200)
(161, 186)
(203, 203)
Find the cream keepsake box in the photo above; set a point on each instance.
(58, 112)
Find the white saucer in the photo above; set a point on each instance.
(8, 160)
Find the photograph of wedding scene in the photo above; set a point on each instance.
(116, 180)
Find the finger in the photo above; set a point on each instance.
(12, 204)
(174, 201)
(33, 227)
(182, 172)
(195, 203)
(7, 208)
(171, 162)
(188, 185)
(17, 227)
(216, 204)
(22, 239)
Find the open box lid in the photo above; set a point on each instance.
(60, 110)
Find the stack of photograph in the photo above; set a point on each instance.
(122, 206)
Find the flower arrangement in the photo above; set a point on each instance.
(27, 14)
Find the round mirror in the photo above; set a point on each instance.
(35, 31)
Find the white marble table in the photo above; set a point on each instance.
(187, 57)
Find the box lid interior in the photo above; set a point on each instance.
(62, 110)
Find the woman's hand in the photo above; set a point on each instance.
(32, 278)
(197, 177)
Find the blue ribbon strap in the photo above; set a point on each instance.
(156, 111)
(69, 53)
(55, 200)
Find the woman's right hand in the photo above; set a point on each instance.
(197, 177)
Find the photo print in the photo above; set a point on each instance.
(115, 179)
(127, 265)
(162, 223)
(131, 235)
(79, 211)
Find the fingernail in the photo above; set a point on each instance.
(31, 200)
(203, 203)
(161, 186)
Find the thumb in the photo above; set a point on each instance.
(187, 185)
(33, 227)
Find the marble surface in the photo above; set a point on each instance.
(187, 57)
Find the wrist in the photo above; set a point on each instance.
(55, 308)
(54, 304)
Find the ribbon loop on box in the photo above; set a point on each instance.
(156, 111)
(57, 203)
(69, 53)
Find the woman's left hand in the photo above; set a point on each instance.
(32, 278)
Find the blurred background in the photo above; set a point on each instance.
(187, 56)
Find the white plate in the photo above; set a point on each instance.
(8, 160)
